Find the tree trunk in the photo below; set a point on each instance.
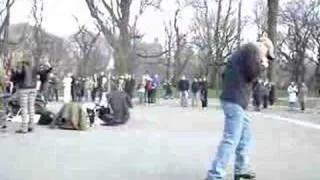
(217, 43)
(273, 11)
(239, 23)
(124, 50)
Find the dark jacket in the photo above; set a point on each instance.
(183, 85)
(120, 104)
(44, 73)
(242, 69)
(25, 76)
(203, 90)
(194, 87)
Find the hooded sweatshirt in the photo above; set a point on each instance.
(242, 69)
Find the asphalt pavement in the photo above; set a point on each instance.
(161, 142)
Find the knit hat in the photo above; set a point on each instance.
(266, 48)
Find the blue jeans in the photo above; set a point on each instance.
(236, 140)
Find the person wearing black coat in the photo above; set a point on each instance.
(44, 72)
(256, 95)
(272, 94)
(183, 86)
(204, 93)
(244, 66)
(195, 87)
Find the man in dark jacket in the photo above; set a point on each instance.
(204, 93)
(244, 66)
(26, 77)
(183, 86)
(256, 94)
(44, 71)
(195, 92)
(119, 103)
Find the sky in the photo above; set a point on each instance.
(59, 20)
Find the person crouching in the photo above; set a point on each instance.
(117, 111)
(26, 76)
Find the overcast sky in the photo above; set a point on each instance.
(58, 17)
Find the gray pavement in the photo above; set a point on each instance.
(161, 141)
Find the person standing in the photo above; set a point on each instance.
(243, 67)
(265, 94)
(26, 74)
(53, 87)
(3, 108)
(293, 92)
(195, 87)
(183, 88)
(256, 94)
(67, 83)
(44, 71)
(204, 93)
(272, 94)
(88, 87)
(303, 96)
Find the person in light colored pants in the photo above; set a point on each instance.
(27, 102)
(184, 98)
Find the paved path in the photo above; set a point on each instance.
(163, 142)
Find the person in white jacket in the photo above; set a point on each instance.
(67, 89)
(292, 92)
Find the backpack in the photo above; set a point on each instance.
(46, 118)
(149, 85)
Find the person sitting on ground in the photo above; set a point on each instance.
(118, 103)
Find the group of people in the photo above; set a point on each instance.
(92, 89)
(23, 80)
(263, 91)
(297, 94)
(198, 91)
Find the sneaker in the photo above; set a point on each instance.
(30, 129)
(20, 131)
(249, 175)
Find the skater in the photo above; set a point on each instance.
(244, 66)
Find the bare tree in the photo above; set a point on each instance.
(85, 41)
(299, 18)
(112, 18)
(239, 22)
(4, 33)
(273, 11)
(260, 16)
(37, 14)
(215, 35)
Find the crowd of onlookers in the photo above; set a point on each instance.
(263, 94)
